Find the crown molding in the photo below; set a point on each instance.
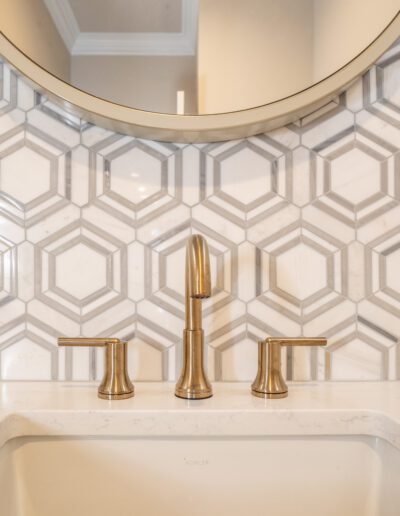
(64, 20)
(132, 44)
(126, 43)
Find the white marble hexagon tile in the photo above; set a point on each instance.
(303, 225)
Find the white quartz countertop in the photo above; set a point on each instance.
(326, 408)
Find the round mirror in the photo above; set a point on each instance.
(243, 66)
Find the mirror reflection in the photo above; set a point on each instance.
(194, 56)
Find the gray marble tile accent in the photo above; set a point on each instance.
(302, 225)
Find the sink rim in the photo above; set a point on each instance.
(325, 408)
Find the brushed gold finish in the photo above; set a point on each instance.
(116, 384)
(193, 383)
(197, 128)
(269, 382)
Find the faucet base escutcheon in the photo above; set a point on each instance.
(269, 396)
(193, 383)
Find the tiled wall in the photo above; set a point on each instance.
(303, 226)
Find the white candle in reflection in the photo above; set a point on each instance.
(180, 102)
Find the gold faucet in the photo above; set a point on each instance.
(269, 382)
(193, 383)
(116, 384)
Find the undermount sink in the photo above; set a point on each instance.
(327, 450)
(330, 476)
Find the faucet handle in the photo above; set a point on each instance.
(116, 384)
(269, 382)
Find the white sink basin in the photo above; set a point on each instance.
(191, 461)
(330, 476)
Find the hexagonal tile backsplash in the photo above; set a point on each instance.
(303, 225)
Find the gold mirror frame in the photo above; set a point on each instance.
(197, 128)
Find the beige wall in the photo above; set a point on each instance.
(343, 28)
(242, 46)
(251, 53)
(143, 82)
(28, 25)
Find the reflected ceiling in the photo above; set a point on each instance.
(218, 56)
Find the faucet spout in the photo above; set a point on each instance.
(197, 280)
(193, 382)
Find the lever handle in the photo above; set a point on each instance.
(86, 341)
(269, 382)
(301, 341)
(116, 384)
